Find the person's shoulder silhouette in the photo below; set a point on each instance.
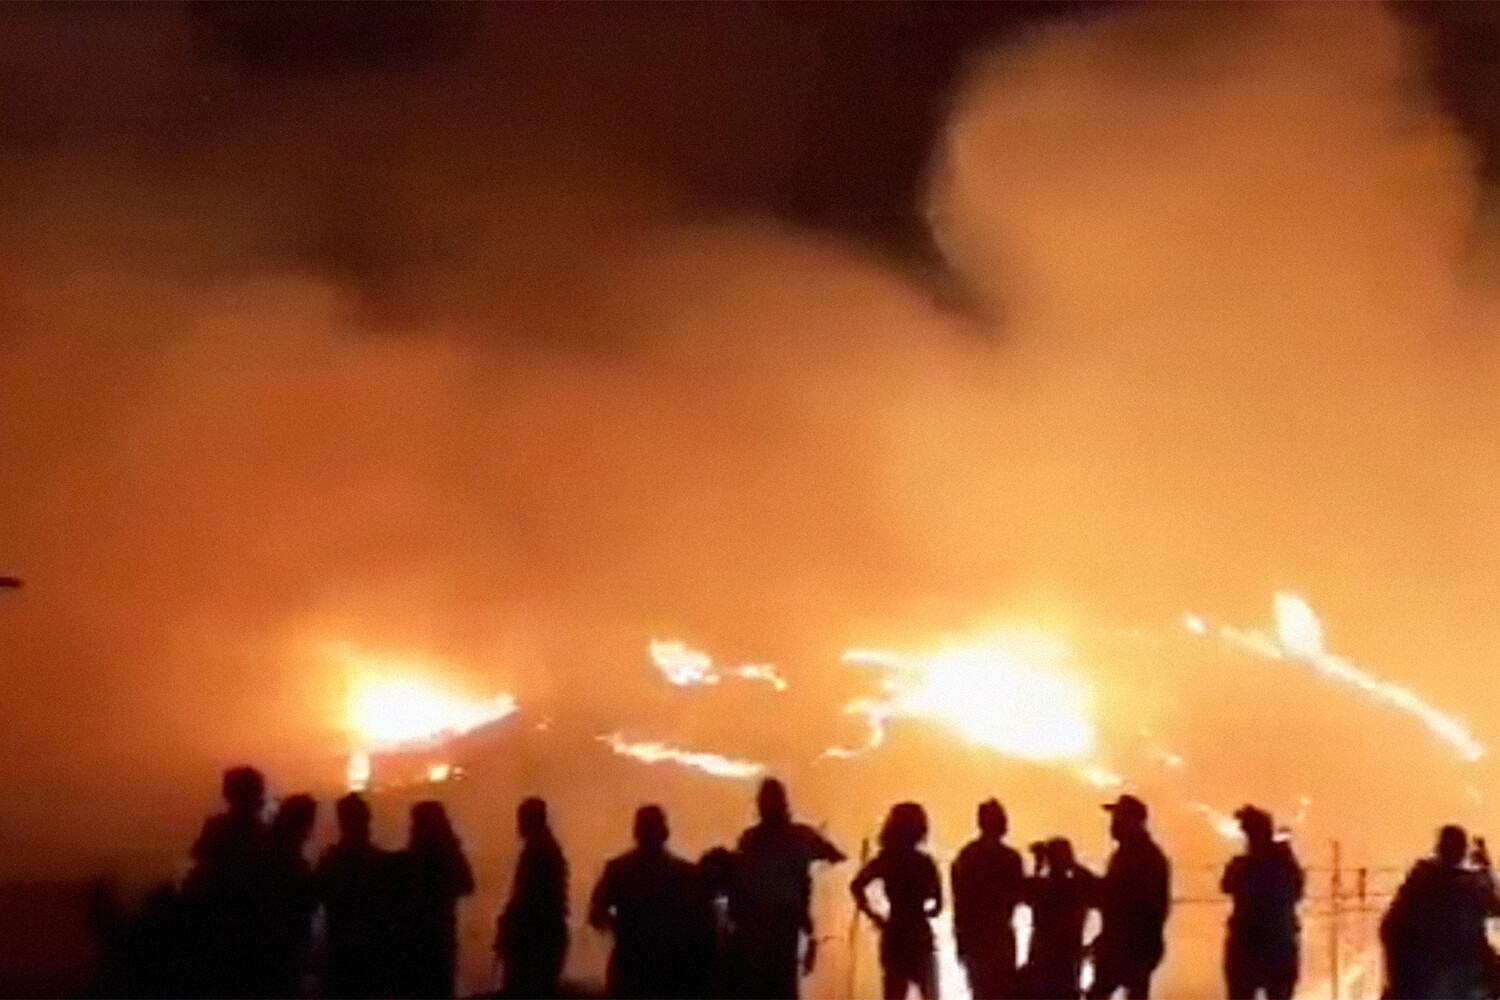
(233, 844)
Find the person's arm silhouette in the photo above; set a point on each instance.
(602, 902)
(874, 869)
(932, 905)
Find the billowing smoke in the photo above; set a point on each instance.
(578, 418)
(444, 362)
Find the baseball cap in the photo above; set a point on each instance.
(1129, 805)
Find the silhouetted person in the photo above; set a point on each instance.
(1060, 894)
(773, 909)
(1484, 872)
(354, 882)
(532, 937)
(1434, 931)
(1266, 882)
(432, 875)
(292, 896)
(914, 895)
(228, 898)
(1134, 897)
(654, 904)
(987, 881)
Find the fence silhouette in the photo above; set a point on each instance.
(1340, 917)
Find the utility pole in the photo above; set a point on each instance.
(1334, 921)
(1362, 897)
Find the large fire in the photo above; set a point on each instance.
(396, 704)
(1018, 692)
(684, 666)
(394, 712)
(1012, 692)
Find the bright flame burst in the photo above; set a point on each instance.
(656, 752)
(1223, 824)
(1012, 692)
(680, 664)
(391, 712)
(357, 772)
(684, 666)
(395, 704)
(1299, 638)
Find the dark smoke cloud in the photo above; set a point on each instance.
(624, 389)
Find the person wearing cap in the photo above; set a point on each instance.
(1265, 883)
(1134, 897)
(1434, 932)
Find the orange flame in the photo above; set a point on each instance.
(1010, 692)
(1299, 638)
(656, 752)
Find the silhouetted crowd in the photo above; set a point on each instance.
(255, 919)
(242, 924)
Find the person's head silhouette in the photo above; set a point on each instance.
(1257, 825)
(430, 827)
(905, 827)
(244, 790)
(1452, 845)
(531, 818)
(717, 868)
(993, 822)
(1127, 817)
(1059, 852)
(651, 830)
(353, 814)
(772, 803)
(294, 820)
